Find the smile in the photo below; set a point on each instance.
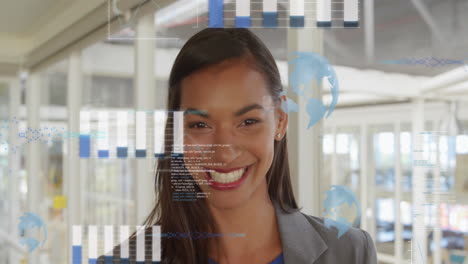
(227, 179)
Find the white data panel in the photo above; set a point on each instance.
(122, 129)
(140, 244)
(85, 126)
(77, 239)
(103, 142)
(242, 8)
(178, 130)
(140, 141)
(296, 8)
(108, 240)
(156, 243)
(324, 13)
(124, 246)
(160, 118)
(351, 13)
(92, 242)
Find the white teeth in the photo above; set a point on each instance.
(227, 177)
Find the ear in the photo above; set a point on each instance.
(281, 119)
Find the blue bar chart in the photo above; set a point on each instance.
(93, 243)
(290, 14)
(85, 137)
(122, 134)
(270, 13)
(159, 125)
(130, 134)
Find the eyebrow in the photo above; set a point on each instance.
(193, 111)
(204, 113)
(247, 109)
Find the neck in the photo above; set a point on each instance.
(255, 219)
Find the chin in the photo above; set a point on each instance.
(227, 203)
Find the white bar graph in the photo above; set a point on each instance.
(124, 246)
(270, 6)
(77, 245)
(159, 127)
(296, 8)
(140, 244)
(122, 129)
(103, 126)
(77, 240)
(178, 145)
(324, 12)
(108, 240)
(351, 12)
(92, 242)
(95, 243)
(321, 12)
(243, 14)
(242, 8)
(140, 141)
(85, 126)
(156, 242)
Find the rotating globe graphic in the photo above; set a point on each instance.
(309, 67)
(32, 230)
(341, 209)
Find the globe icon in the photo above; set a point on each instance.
(341, 209)
(32, 231)
(308, 67)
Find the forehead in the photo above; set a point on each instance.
(227, 85)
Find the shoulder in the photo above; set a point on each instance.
(354, 243)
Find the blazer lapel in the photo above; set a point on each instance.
(302, 244)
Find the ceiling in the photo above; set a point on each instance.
(400, 33)
(19, 16)
(27, 24)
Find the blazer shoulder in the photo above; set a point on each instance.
(353, 243)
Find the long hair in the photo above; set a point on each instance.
(207, 48)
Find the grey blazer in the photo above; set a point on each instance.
(307, 240)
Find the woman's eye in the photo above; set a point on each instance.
(250, 121)
(197, 125)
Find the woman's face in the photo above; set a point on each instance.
(231, 117)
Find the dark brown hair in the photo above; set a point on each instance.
(207, 48)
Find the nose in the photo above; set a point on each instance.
(225, 147)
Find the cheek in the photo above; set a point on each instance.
(261, 145)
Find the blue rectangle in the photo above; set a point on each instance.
(270, 19)
(457, 258)
(296, 21)
(351, 24)
(108, 259)
(140, 153)
(103, 154)
(122, 152)
(159, 155)
(92, 261)
(124, 261)
(177, 155)
(85, 146)
(324, 23)
(243, 21)
(215, 13)
(76, 255)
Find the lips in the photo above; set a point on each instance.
(222, 179)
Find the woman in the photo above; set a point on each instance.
(227, 83)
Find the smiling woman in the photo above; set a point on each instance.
(228, 86)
